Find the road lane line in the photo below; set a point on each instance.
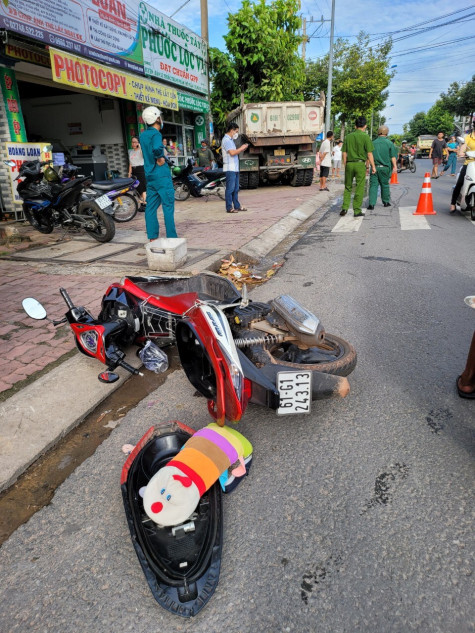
(410, 222)
(347, 224)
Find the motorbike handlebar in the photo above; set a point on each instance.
(67, 298)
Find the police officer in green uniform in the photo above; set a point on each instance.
(157, 172)
(384, 154)
(356, 151)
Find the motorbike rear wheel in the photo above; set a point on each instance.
(182, 191)
(38, 221)
(335, 356)
(125, 207)
(103, 225)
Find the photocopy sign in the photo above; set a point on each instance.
(105, 30)
(172, 52)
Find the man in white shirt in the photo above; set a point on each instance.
(231, 167)
(325, 161)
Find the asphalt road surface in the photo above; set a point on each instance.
(355, 518)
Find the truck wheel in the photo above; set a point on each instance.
(308, 178)
(298, 178)
(244, 180)
(253, 179)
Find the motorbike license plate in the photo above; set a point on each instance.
(103, 202)
(295, 391)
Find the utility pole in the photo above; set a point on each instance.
(330, 70)
(204, 20)
(304, 37)
(205, 36)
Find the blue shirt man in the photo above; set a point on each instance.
(159, 179)
(231, 167)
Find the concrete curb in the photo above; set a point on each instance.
(36, 418)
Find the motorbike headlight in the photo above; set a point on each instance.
(89, 340)
(235, 372)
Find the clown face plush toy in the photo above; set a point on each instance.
(212, 453)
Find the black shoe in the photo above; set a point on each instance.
(386, 204)
(343, 211)
(370, 207)
(359, 215)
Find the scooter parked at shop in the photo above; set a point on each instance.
(186, 183)
(122, 192)
(233, 350)
(48, 204)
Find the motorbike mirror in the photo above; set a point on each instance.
(10, 163)
(33, 308)
(108, 377)
(470, 301)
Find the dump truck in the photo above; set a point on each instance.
(282, 141)
(423, 145)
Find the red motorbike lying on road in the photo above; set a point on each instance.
(233, 350)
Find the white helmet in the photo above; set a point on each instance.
(151, 114)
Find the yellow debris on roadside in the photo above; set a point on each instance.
(241, 274)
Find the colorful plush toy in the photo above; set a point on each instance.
(212, 453)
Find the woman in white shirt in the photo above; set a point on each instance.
(336, 159)
(136, 168)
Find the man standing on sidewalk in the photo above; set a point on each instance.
(231, 167)
(357, 150)
(384, 155)
(325, 160)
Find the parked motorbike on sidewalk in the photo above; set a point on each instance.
(466, 198)
(186, 183)
(122, 192)
(407, 163)
(47, 205)
(233, 350)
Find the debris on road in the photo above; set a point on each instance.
(241, 274)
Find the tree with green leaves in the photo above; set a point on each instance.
(262, 60)
(437, 119)
(361, 75)
(460, 99)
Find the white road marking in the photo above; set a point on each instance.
(347, 224)
(410, 222)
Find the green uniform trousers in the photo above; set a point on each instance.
(356, 171)
(379, 179)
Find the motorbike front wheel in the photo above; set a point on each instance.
(39, 220)
(182, 191)
(334, 356)
(412, 168)
(99, 225)
(125, 207)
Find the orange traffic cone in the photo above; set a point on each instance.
(425, 205)
(394, 180)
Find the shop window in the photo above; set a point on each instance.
(188, 116)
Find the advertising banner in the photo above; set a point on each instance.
(11, 99)
(172, 52)
(190, 102)
(20, 153)
(105, 30)
(77, 71)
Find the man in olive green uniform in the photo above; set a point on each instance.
(205, 155)
(384, 154)
(357, 150)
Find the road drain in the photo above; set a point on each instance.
(35, 488)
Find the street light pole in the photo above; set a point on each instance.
(330, 70)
